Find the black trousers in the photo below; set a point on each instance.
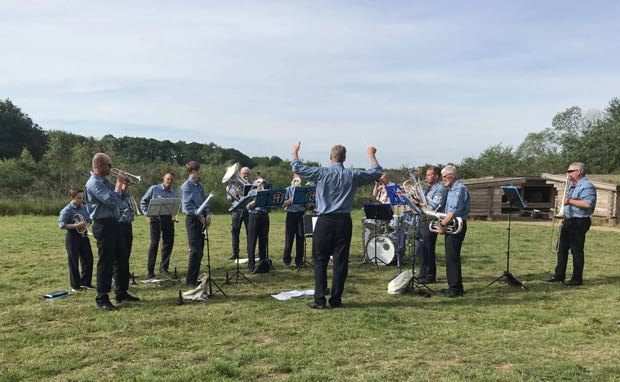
(453, 259)
(573, 237)
(111, 249)
(161, 227)
(428, 263)
(294, 231)
(258, 231)
(196, 241)
(79, 252)
(239, 217)
(331, 237)
(127, 234)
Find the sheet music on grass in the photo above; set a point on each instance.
(283, 296)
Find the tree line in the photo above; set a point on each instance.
(38, 166)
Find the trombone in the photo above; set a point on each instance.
(558, 215)
(130, 177)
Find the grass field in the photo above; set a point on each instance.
(501, 333)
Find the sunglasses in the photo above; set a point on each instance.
(569, 171)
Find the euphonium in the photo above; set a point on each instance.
(130, 177)
(236, 182)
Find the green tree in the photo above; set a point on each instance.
(18, 131)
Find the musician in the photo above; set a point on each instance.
(335, 190)
(126, 220)
(159, 225)
(258, 230)
(77, 244)
(436, 195)
(579, 204)
(192, 197)
(457, 205)
(294, 226)
(379, 191)
(239, 216)
(103, 200)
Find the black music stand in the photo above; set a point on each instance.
(413, 239)
(163, 207)
(269, 198)
(513, 199)
(376, 211)
(210, 281)
(241, 203)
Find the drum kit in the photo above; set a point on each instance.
(384, 241)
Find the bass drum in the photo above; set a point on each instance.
(382, 247)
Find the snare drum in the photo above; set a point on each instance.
(383, 247)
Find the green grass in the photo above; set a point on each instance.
(501, 333)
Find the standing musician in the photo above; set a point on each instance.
(258, 230)
(457, 205)
(579, 204)
(192, 196)
(159, 226)
(294, 226)
(335, 190)
(436, 195)
(379, 191)
(126, 220)
(103, 200)
(239, 216)
(75, 220)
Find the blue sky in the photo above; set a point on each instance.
(424, 82)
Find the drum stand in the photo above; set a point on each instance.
(210, 281)
(423, 288)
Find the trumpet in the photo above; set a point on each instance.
(130, 177)
(558, 215)
(77, 219)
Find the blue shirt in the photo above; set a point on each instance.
(436, 197)
(70, 210)
(156, 191)
(457, 201)
(102, 201)
(335, 185)
(256, 210)
(583, 190)
(192, 196)
(293, 208)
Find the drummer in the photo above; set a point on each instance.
(379, 192)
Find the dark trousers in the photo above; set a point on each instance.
(79, 251)
(196, 240)
(164, 227)
(573, 237)
(111, 249)
(239, 217)
(428, 263)
(294, 231)
(127, 234)
(331, 237)
(258, 231)
(453, 260)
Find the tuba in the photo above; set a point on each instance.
(235, 182)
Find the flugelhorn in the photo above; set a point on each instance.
(130, 177)
(296, 182)
(77, 219)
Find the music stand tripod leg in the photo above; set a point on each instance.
(210, 281)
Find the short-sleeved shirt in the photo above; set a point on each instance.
(583, 190)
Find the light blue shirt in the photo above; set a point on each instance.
(335, 185)
(256, 210)
(192, 196)
(583, 190)
(102, 201)
(156, 191)
(436, 197)
(293, 208)
(458, 200)
(70, 210)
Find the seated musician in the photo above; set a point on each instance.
(76, 241)
(379, 191)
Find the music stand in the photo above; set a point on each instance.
(241, 203)
(210, 281)
(513, 199)
(163, 206)
(376, 211)
(309, 223)
(304, 195)
(269, 198)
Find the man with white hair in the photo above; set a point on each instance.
(579, 204)
(239, 216)
(457, 205)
